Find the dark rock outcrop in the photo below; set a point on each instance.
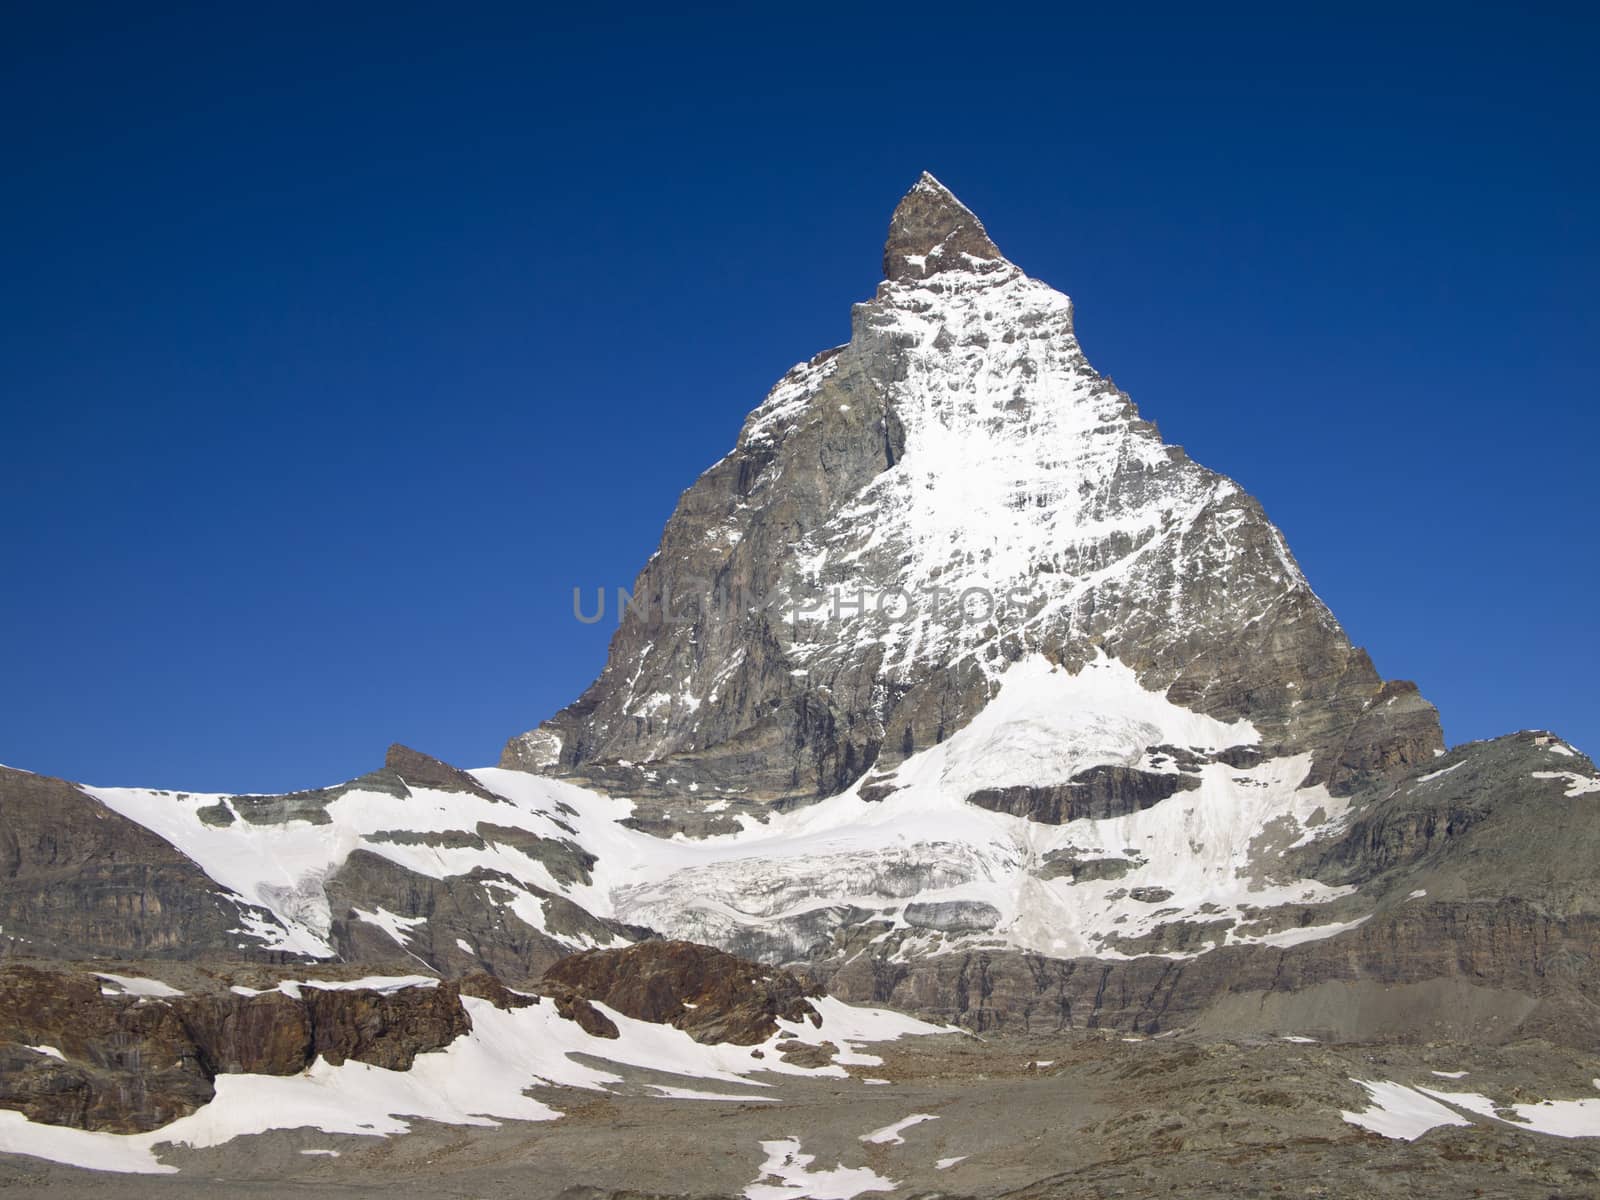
(1093, 794)
(129, 1063)
(932, 231)
(470, 909)
(387, 1029)
(709, 994)
(423, 770)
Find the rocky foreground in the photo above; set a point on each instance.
(1087, 1113)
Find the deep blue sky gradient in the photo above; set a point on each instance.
(337, 345)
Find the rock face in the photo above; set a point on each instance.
(904, 516)
(1489, 973)
(457, 923)
(710, 995)
(74, 1055)
(1094, 794)
(417, 863)
(932, 231)
(78, 880)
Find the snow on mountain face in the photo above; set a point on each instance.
(907, 515)
(918, 860)
(285, 865)
(937, 871)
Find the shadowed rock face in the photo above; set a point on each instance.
(77, 880)
(959, 440)
(1095, 794)
(134, 1063)
(710, 995)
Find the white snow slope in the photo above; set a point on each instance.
(924, 845)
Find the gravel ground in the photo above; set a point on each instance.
(1105, 1118)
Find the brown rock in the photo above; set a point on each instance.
(932, 231)
(570, 1005)
(488, 987)
(423, 770)
(709, 994)
(135, 1063)
(386, 1029)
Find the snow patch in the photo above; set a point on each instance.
(889, 1135)
(397, 927)
(795, 1180)
(1401, 1112)
(134, 985)
(1580, 785)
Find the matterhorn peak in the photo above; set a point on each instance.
(932, 231)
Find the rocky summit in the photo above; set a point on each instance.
(976, 797)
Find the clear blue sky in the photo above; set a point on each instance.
(336, 347)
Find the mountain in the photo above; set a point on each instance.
(959, 444)
(952, 688)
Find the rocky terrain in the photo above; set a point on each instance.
(1080, 1115)
(970, 768)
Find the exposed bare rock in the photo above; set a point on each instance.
(130, 1063)
(1486, 972)
(711, 995)
(1094, 794)
(1488, 820)
(470, 910)
(574, 1007)
(932, 231)
(267, 1034)
(423, 770)
(806, 1054)
(78, 880)
(487, 987)
(566, 861)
